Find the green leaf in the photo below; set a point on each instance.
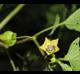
(50, 18)
(53, 10)
(59, 9)
(73, 22)
(8, 38)
(65, 67)
(73, 55)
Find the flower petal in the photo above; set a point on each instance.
(45, 44)
(56, 49)
(50, 46)
(55, 42)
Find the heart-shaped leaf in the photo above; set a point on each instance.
(73, 22)
(65, 67)
(73, 55)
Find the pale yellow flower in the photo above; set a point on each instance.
(50, 46)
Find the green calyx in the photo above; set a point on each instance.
(8, 38)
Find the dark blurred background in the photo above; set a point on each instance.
(30, 20)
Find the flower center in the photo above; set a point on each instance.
(50, 48)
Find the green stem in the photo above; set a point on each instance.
(58, 61)
(2, 44)
(57, 20)
(23, 41)
(20, 37)
(47, 29)
(11, 61)
(37, 44)
(26, 38)
(62, 59)
(21, 57)
(37, 34)
(11, 15)
(50, 68)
